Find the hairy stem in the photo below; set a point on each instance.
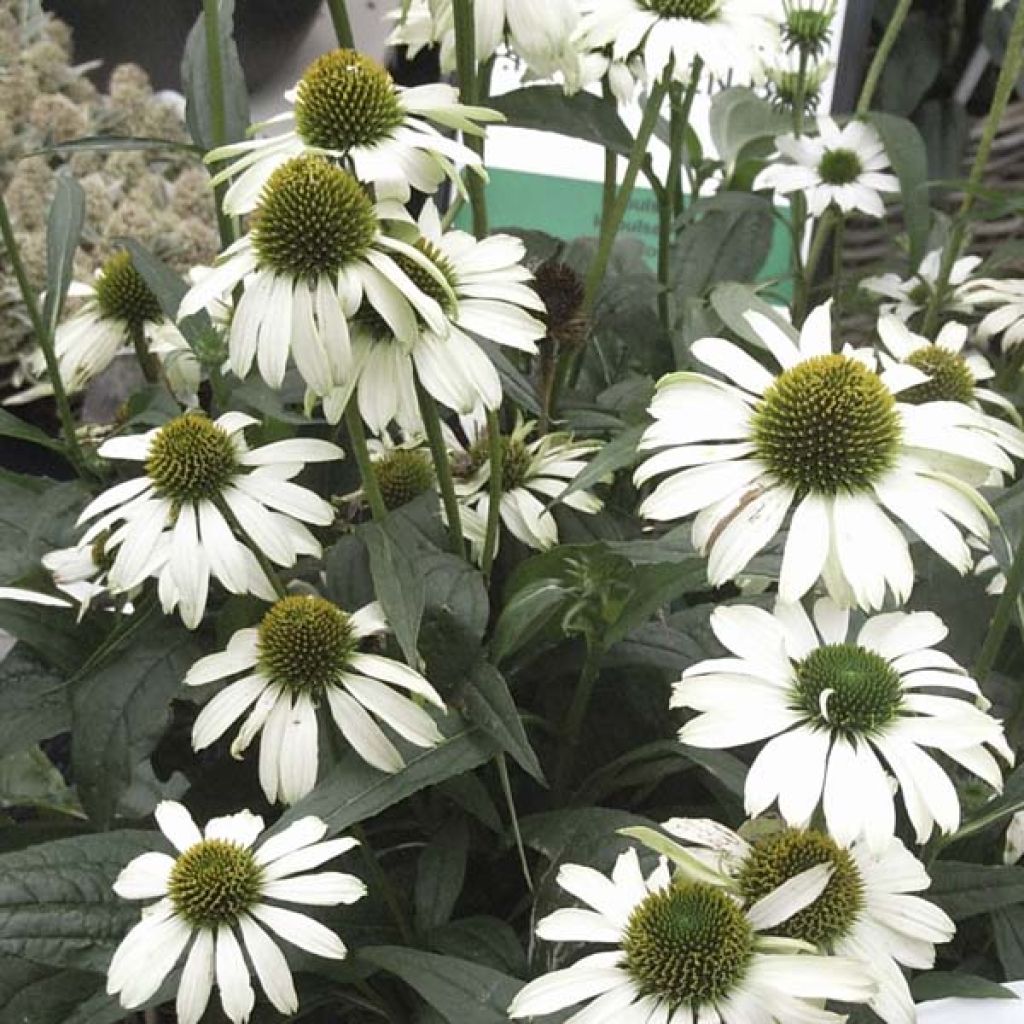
(442, 468)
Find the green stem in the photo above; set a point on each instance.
(357, 438)
(837, 267)
(442, 467)
(680, 119)
(506, 789)
(1005, 607)
(465, 66)
(574, 718)
(268, 567)
(148, 363)
(611, 165)
(218, 118)
(45, 341)
(496, 451)
(1008, 77)
(610, 228)
(342, 26)
(821, 235)
(800, 100)
(874, 75)
(380, 882)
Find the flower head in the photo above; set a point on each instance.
(829, 702)
(346, 107)
(221, 886)
(1005, 300)
(910, 296)
(807, 25)
(306, 656)
(830, 438)
(206, 497)
(686, 950)
(841, 166)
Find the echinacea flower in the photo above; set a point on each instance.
(866, 911)
(315, 250)
(842, 166)
(833, 706)
(729, 37)
(306, 656)
(910, 296)
(221, 886)
(829, 438)
(1005, 299)
(684, 952)
(348, 108)
(204, 497)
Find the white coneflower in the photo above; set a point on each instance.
(223, 886)
(685, 952)
(829, 704)
(306, 654)
(483, 289)
(910, 296)
(730, 37)
(347, 108)
(1006, 318)
(829, 438)
(314, 253)
(843, 166)
(203, 497)
(532, 474)
(865, 911)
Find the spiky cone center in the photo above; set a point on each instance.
(848, 689)
(191, 459)
(313, 219)
(840, 167)
(346, 99)
(214, 882)
(688, 945)
(692, 10)
(950, 380)
(562, 292)
(402, 475)
(778, 857)
(515, 460)
(305, 643)
(808, 29)
(827, 425)
(122, 293)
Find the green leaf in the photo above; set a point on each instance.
(353, 791)
(120, 711)
(455, 589)
(28, 778)
(732, 301)
(33, 993)
(616, 454)
(34, 702)
(489, 704)
(195, 77)
(12, 426)
(63, 230)
(461, 991)
(440, 873)
(1004, 806)
(168, 287)
(484, 940)
(913, 65)
(585, 835)
(398, 585)
(114, 144)
(944, 984)
(526, 614)
(965, 890)
(691, 866)
(739, 117)
(546, 108)
(1008, 931)
(515, 386)
(909, 158)
(57, 906)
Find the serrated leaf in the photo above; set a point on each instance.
(63, 230)
(489, 704)
(440, 874)
(946, 984)
(398, 585)
(57, 906)
(461, 991)
(120, 711)
(34, 702)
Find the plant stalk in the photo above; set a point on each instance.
(338, 10)
(874, 75)
(466, 69)
(442, 467)
(496, 452)
(1005, 607)
(357, 438)
(574, 718)
(382, 884)
(506, 789)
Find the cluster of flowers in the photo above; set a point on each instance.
(375, 311)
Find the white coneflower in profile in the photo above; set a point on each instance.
(306, 655)
(831, 704)
(684, 952)
(1006, 315)
(223, 886)
(204, 496)
(730, 37)
(347, 108)
(314, 252)
(866, 911)
(830, 439)
(532, 474)
(910, 296)
(483, 289)
(841, 166)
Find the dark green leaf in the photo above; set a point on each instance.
(913, 65)
(114, 144)
(33, 993)
(455, 589)
(353, 791)
(461, 991)
(526, 614)
(909, 158)
(546, 108)
(485, 940)
(586, 835)
(618, 453)
(440, 873)
(57, 906)
(347, 565)
(1008, 930)
(195, 77)
(964, 890)
(120, 711)
(469, 793)
(12, 426)
(34, 701)
(63, 230)
(944, 984)
(490, 705)
(398, 585)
